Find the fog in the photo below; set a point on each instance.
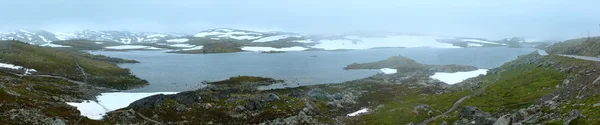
(545, 19)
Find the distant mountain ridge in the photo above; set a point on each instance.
(352, 40)
(40, 37)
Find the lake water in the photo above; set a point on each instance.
(180, 72)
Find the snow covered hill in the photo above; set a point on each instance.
(269, 41)
(31, 37)
(41, 37)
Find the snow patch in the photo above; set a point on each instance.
(194, 48)
(109, 102)
(126, 41)
(124, 47)
(274, 38)
(54, 45)
(44, 39)
(389, 71)
(64, 36)
(154, 48)
(453, 78)
(261, 49)
(362, 111)
(542, 52)
(389, 41)
(15, 67)
(481, 41)
(474, 45)
(304, 41)
(178, 40)
(239, 35)
(25, 31)
(10, 66)
(99, 42)
(182, 45)
(156, 35)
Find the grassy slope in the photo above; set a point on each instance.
(581, 46)
(34, 94)
(62, 62)
(518, 86)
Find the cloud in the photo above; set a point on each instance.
(556, 19)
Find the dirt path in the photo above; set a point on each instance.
(85, 77)
(51, 76)
(583, 57)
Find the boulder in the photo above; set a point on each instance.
(253, 105)
(476, 116)
(574, 114)
(273, 97)
(504, 120)
(295, 93)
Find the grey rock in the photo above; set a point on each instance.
(55, 98)
(504, 120)
(58, 121)
(574, 114)
(240, 108)
(273, 97)
(253, 105)
(476, 116)
(444, 123)
(338, 96)
(596, 105)
(295, 93)
(319, 94)
(180, 107)
(419, 107)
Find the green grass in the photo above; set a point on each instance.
(519, 85)
(400, 112)
(517, 88)
(62, 62)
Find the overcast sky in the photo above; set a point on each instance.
(549, 19)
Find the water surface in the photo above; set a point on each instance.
(179, 72)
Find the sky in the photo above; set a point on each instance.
(543, 19)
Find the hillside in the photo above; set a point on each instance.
(582, 46)
(91, 69)
(38, 100)
(533, 89)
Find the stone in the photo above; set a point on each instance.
(253, 105)
(273, 97)
(58, 121)
(574, 114)
(419, 107)
(295, 93)
(240, 108)
(474, 114)
(596, 105)
(504, 120)
(319, 94)
(444, 123)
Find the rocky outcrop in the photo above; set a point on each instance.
(473, 116)
(403, 64)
